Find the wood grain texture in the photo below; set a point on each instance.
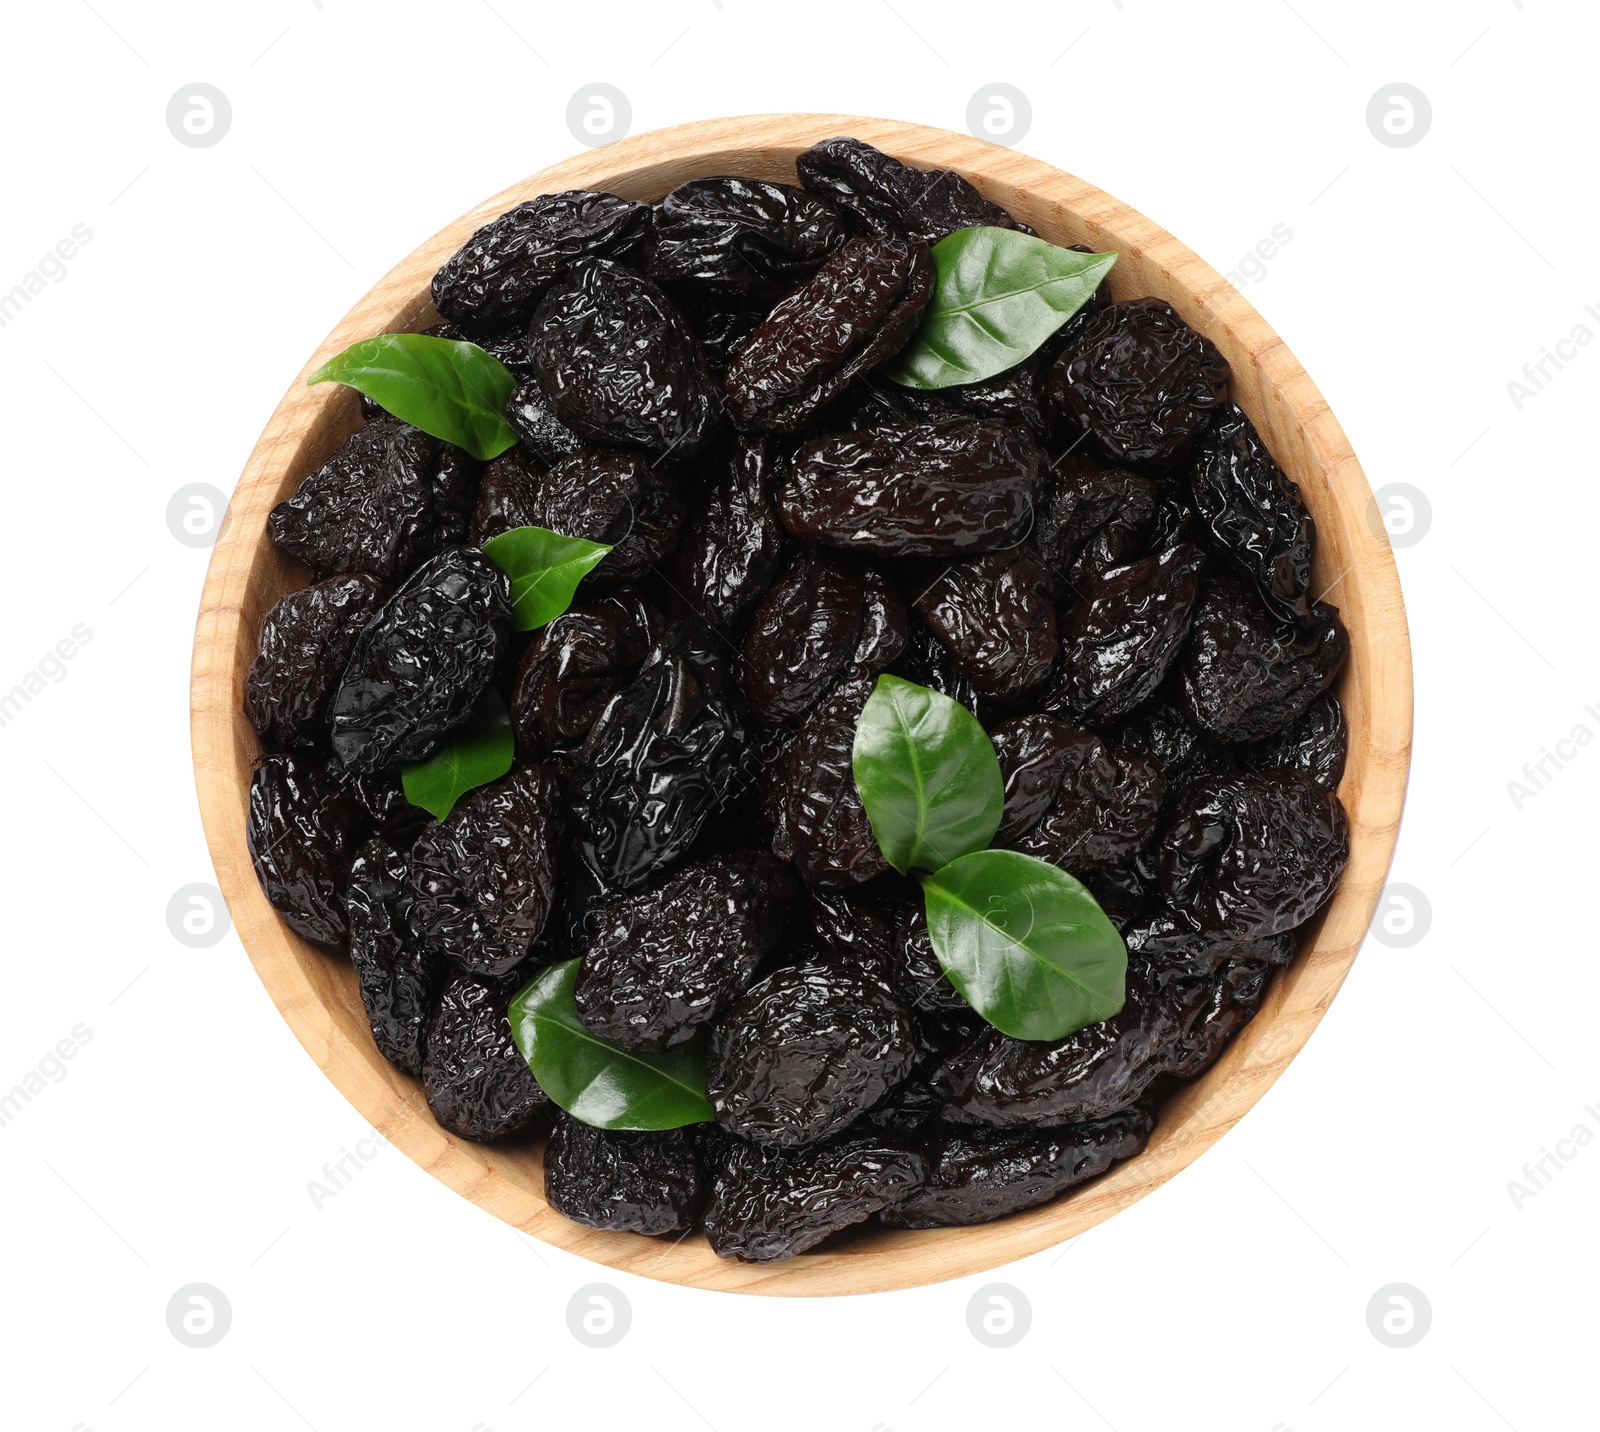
(317, 993)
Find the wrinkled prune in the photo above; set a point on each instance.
(1140, 382)
(1253, 854)
(731, 551)
(978, 1175)
(772, 1203)
(722, 330)
(1254, 513)
(857, 311)
(885, 626)
(620, 364)
(390, 497)
(914, 489)
(928, 662)
(997, 616)
(508, 496)
(883, 196)
(399, 974)
(1246, 675)
(742, 236)
(920, 980)
(1315, 744)
(419, 666)
(664, 756)
(1121, 636)
(1091, 516)
(801, 636)
(622, 1182)
(533, 418)
(382, 795)
(306, 639)
(575, 664)
(477, 1083)
(302, 832)
(1009, 397)
(508, 344)
(485, 879)
(821, 824)
(1230, 1003)
(499, 275)
(891, 947)
(803, 1052)
(664, 963)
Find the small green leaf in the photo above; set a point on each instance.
(594, 1080)
(476, 752)
(927, 774)
(998, 295)
(450, 389)
(545, 569)
(1026, 945)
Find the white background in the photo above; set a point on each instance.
(178, 1146)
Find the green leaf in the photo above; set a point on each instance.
(1026, 945)
(998, 295)
(478, 751)
(545, 569)
(594, 1080)
(450, 389)
(927, 774)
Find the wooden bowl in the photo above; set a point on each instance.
(317, 992)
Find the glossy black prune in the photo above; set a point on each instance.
(888, 945)
(882, 196)
(1253, 854)
(663, 963)
(622, 1182)
(661, 760)
(485, 879)
(306, 639)
(920, 980)
(722, 329)
(508, 497)
(620, 364)
(575, 664)
(854, 313)
(508, 344)
(914, 489)
(1009, 397)
(772, 1203)
(477, 1084)
(419, 666)
(997, 616)
(801, 637)
(801, 1054)
(1091, 516)
(741, 236)
(928, 662)
(1315, 745)
(1254, 514)
(1245, 675)
(533, 418)
(399, 974)
(499, 275)
(885, 626)
(1140, 382)
(1122, 634)
(1231, 1001)
(977, 1175)
(732, 549)
(302, 832)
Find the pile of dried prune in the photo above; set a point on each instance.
(1094, 551)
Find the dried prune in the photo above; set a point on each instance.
(508, 344)
(885, 626)
(421, 663)
(302, 832)
(1140, 382)
(622, 1182)
(533, 418)
(803, 1052)
(880, 195)
(306, 639)
(499, 275)
(857, 311)
(1315, 744)
(771, 1203)
(978, 1175)
(889, 946)
(1254, 513)
(399, 974)
(1253, 854)
(508, 496)
(1230, 1003)
(741, 236)
(920, 980)
(731, 552)
(661, 760)
(1121, 636)
(1009, 397)
(1245, 675)
(485, 879)
(928, 662)
(914, 489)
(801, 636)
(665, 962)
(381, 794)
(722, 330)
(820, 822)
(997, 616)
(390, 497)
(620, 364)
(477, 1084)
(575, 664)
(1091, 516)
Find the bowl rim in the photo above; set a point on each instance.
(314, 994)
